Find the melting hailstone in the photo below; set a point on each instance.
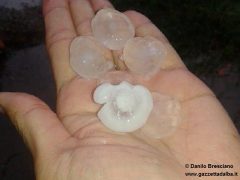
(112, 28)
(165, 117)
(89, 58)
(144, 55)
(126, 108)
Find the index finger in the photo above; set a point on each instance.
(100, 4)
(60, 31)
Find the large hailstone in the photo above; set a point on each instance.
(144, 55)
(89, 58)
(165, 117)
(112, 28)
(126, 108)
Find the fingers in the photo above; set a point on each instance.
(82, 13)
(64, 20)
(59, 33)
(100, 4)
(76, 98)
(38, 125)
(144, 27)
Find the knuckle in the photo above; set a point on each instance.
(59, 36)
(23, 104)
(50, 5)
(84, 27)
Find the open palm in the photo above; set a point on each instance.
(72, 144)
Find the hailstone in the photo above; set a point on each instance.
(89, 58)
(112, 28)
(144, 55)
(165, 117)
(126, 107)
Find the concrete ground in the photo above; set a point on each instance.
(28, 71)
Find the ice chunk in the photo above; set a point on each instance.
(112, 28)
(165, 117)
(144, 55)
(126, 108)
(89, 58)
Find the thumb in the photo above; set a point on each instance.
(37, 124)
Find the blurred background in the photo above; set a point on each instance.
(206, 34)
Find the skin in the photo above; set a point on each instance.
(71, 144)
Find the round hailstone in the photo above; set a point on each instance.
(89, 58)
(126, 108)
(165, 117)
(144, 55)
(112, 28)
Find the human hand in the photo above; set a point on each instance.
(72, 144)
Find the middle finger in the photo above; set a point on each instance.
(82, 13)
